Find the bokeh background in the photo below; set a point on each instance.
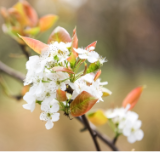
(128, 35)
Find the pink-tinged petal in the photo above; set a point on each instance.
(47, 22)
(92, 46)
(82, 103)
(74, 43)
(97, 75)
(132, 97)
(31, 13)
(34, 44)
(61, 95)
(59, 34)
(63, 69)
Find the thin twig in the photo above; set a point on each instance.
(11, 72)
(115, 139)
(102, 137)
(93, 135)
(23, 48)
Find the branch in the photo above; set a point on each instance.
(102, 137)
(11, 72)
(23, 48)
(93, 135)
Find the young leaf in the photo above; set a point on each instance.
(92, 46)
(34, 44)
(74, 43)
(59, 34)
(62, 69)
(18, 7)
(132, 97)
(31, 13)
(32, 31)
(82, 103)
(97, 118)
(97, 75)
(47, 22)
(93, 67)
(72, 60)
(25, 89)
(61, 95)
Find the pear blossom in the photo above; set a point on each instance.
(126, 123)
(132, 131)
(53, 78)
(49, 113)
(91, 56)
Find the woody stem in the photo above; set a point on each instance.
(93, 135)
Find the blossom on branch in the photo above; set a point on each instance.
(55, 81)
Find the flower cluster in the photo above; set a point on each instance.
(126, 123)
(23, 19)
(122, 120)
(55, 83)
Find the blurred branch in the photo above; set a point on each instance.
(101, 136)
(23, 48)
(11, 72)
(93, 135)
(115, 139)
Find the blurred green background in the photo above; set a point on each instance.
(128, 35)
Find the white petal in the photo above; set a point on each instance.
(28, 97)
(43, 116)
(139, 135)
(54, 108)
(80, 50)
(30, 107)
(55, 117)
(40, 89)
(83, 56)
(137, 124)
(131, 138)
(126, 131)
(49, 124)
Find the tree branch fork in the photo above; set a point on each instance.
(93, 132)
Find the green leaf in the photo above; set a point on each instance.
(93, 67)
(72, 60)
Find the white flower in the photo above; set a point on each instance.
(91, 56)
(49, 113)
(132, 131)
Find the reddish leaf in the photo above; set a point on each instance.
(31, 13)
(4, 12)
(62, 69)
(18, 7)
(34, 44)
(61, 95)
(82, 103)
(132, 97)
(59, 34)
(47, 22)
(97, 75)
(74, 43)
(91, 45)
